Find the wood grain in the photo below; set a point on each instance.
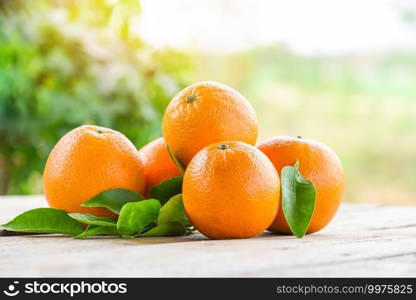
(363, 240)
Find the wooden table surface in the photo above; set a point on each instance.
(362, 240)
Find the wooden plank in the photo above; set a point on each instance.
(363, 240)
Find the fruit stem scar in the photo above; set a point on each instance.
(299, 137)
(191, 98)
(223, 147)
(100, 131)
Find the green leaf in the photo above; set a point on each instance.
(97, 230)
(176, 160)
(166, 229)
(135, 216)
(167, 189)
(93, 220)
(113, 199)
(44, 220)
(173, 212)
(298, 200)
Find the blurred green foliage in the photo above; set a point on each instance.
(66, 63)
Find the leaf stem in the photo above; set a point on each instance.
(176, 161)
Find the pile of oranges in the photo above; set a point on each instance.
(231, 187)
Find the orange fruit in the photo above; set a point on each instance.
(157, 163)
(231, 190)
(87, 161)
(317, 163)
(205, 113)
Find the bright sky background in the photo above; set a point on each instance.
(309, 27)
